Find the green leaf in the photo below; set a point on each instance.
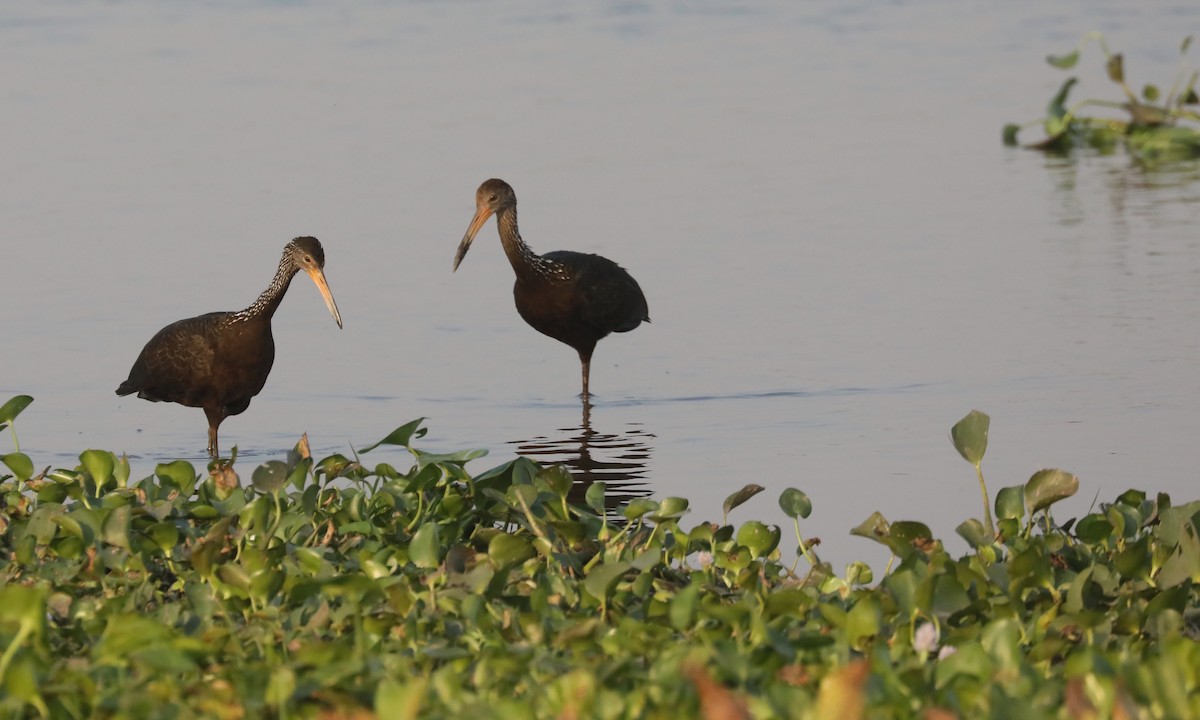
(1057, 108)
(970, 436)
(684, 607)
(603, 579)
(11, 409)
(1064, 62)
(910, 531)
(505, 550)
(425, 548)
(19, 463)
(165, 535)
(1116, 68)
(402, 435)
(638, 507)
(400, 701)
(795, 503)
(758, 538)
(874, 527)
(1047, 487)
(594, 497)
(864, 621)
(179, 474)
(116, 527)
(1010, 503)
(741, 496)
(974, 533)
(1009, 134)
(1093, 528)
(270, 476)
(1150, 92)
(671, 508)
(555, 478)
(99, 464)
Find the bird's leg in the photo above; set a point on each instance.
(215, 416)
(585, 360)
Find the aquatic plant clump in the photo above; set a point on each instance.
(1155, 127)
(334, 588)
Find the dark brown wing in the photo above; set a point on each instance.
(610, 299)
(177, 364)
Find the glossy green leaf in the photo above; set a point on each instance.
(1093, 528)
(671, 508)
(19, 463)
(974, 533)
(402, 435)
(601, 581)
(556, 478)
(99, 465)
(970, 436)
(13, 407)
(116, 527)
(639, 507)
(1047, 487)
(179, 474)
(425, 548)
(505, 550)
(758, 538)
(594, 497)
(795, 503)
(270, 477)
(1010, 503)
(875, 527)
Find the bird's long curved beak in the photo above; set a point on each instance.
(481, 216)
(318, 278)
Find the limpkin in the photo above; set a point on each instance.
(220, 360)
(575, 298)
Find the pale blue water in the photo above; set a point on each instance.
(840, 257)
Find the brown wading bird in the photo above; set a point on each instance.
(575, 298)
(219, 361)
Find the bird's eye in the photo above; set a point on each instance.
(492, 197)
(308, 258)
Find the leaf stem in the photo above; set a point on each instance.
(987, 510)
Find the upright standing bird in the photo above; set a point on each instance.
(219, 361)
(575, 298)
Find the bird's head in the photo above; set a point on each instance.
(307, 254)
(491, 197)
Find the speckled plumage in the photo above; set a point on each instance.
(219, 361)
(575, 298)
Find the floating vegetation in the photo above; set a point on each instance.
(333, 588)
(1155, 128)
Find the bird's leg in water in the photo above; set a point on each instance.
(585, 359)
(214, 419)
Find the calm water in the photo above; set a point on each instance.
(840, 257)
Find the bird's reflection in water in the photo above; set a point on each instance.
(617, 459)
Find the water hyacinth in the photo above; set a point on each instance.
(332, 587)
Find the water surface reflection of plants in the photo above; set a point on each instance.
(336, 588)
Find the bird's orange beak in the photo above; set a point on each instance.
(318, 278)
(481, 216)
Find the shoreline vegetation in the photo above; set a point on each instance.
(337, 588)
